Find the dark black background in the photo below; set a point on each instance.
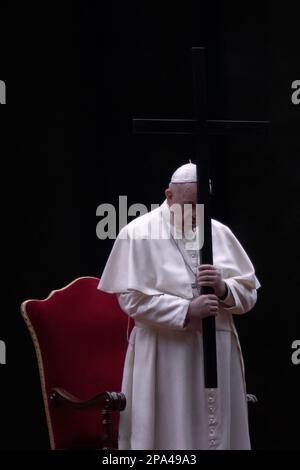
(76, 75)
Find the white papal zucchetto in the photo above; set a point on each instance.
(185, 174)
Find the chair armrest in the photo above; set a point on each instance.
(251, 398)
(106, 401)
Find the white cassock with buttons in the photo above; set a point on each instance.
(168, 406)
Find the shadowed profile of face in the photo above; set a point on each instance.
(183, 194)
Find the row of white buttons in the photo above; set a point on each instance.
(212, 421)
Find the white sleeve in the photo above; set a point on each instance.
(163, 311)
(238, 273)
(241, 300)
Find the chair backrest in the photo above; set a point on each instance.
(80, 338)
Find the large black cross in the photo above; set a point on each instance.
(200, 127)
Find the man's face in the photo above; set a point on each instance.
(183, 194)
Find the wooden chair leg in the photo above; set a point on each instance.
(106, 421)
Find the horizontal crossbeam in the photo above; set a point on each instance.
(194, 127)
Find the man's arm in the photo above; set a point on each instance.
(163, 311)
(241, 299)
(167, 311)
(234, 296)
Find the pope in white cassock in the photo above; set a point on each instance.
(153, 272)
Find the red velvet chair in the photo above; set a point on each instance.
(80, 338)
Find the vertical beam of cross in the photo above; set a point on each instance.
(200, 128)
(203, 196)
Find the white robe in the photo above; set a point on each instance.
(167, 404)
